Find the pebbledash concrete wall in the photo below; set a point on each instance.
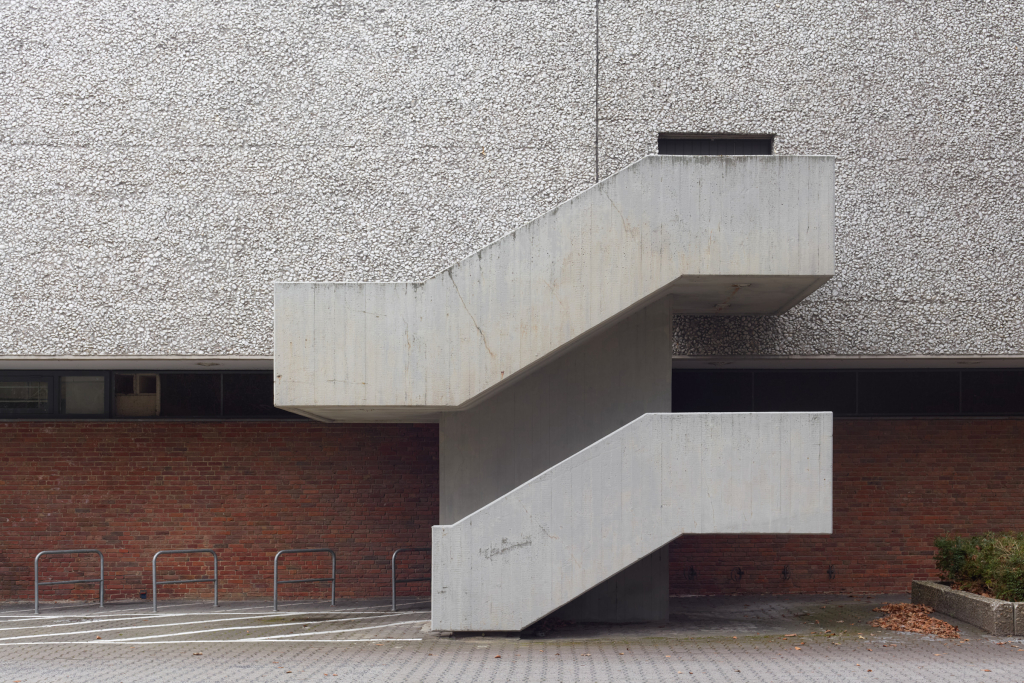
(245, 489)
(253, 488)
(162, 163)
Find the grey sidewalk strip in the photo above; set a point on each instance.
(731, 639)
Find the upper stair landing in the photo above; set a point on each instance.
(726, 235)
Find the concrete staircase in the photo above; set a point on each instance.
(546, 359)
(718, 235)
(580, 522)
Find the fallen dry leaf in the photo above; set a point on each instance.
(915, 619)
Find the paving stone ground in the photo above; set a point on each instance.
(792, 638)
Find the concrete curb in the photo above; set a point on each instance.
(998, 617)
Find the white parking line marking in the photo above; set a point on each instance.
(108, 608)
(89, 622)
(113, 610)
(179, 642)
(323, 633)
(246, 628)
(336, 640)
(132, 628)
(94, 620)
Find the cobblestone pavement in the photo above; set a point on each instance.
(794, 638)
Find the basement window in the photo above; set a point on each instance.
(850, 393)
(25, 396)
(908, 393)
(83, 395)
(992, 392)
(714, 144)
(249, 394)
(90, 395)
(136, 395)
(190, 394)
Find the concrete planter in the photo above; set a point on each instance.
(998, 617)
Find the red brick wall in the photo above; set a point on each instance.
(249, 489)
(246, 489)
(898, 484)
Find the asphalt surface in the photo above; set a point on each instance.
(793, 638)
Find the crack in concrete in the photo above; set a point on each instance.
(466, 308)
(625, 223)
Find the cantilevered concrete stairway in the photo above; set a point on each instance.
(720, 235)
(546, 359)
(580, 522)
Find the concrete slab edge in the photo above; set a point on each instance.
(998, 617)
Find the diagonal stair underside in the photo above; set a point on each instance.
(578, 523)
(722, 235)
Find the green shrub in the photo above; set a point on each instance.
(990, 564)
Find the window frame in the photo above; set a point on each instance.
(52, 377)
(962, 407)
(29, 376)
(55, 401)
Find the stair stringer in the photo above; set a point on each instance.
(578, 523)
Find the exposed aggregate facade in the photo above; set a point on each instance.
(161, 164)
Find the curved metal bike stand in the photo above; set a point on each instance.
(394, 580)
(334, 563)
(55, 583)
(214, 581)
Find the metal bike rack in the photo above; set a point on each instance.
(214, 581)
(397, 581)
(55, 583)
(334, 563)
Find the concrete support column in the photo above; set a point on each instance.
(603, 383)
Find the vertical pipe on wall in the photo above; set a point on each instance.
(597, 89)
